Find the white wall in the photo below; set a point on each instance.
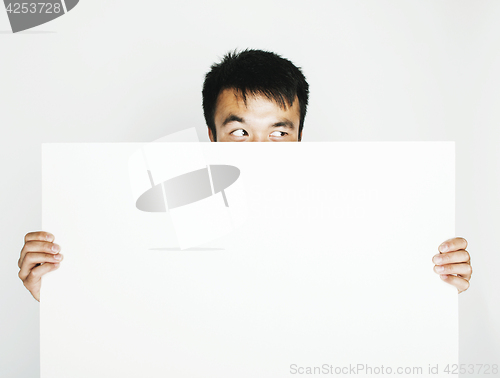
(129, 71)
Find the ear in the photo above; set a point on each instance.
(210, 135)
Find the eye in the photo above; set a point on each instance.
(278, 133)
(239, 132)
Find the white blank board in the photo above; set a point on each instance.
(332, 266)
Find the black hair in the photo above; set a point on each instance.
(255, 72)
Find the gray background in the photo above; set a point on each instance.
(128, 71)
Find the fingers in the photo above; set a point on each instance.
(459, 256)
(34, 259)
(39, 256)
(459, 282)
(33, 280)
(463, 269)
(39, 235)
(453, 244)
(453, 263)
(38, 246)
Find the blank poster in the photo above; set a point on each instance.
(307, 258)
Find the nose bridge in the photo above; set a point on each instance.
(259, 136)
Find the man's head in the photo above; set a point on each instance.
(255, 95)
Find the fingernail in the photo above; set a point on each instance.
(443, 247)
(443, 276)
(440, 269)
(55, 248)
(438, 259)
(58, 257)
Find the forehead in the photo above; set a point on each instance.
(231, 101)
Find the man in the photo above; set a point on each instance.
(251, 96)
(255, 96)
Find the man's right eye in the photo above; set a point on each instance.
(239, 132)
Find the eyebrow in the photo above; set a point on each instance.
(286, 123)
(234, 118)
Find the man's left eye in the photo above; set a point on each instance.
(278, 133)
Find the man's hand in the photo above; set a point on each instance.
(39, 255)
(453, 263)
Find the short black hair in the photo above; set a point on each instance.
(255, 72)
